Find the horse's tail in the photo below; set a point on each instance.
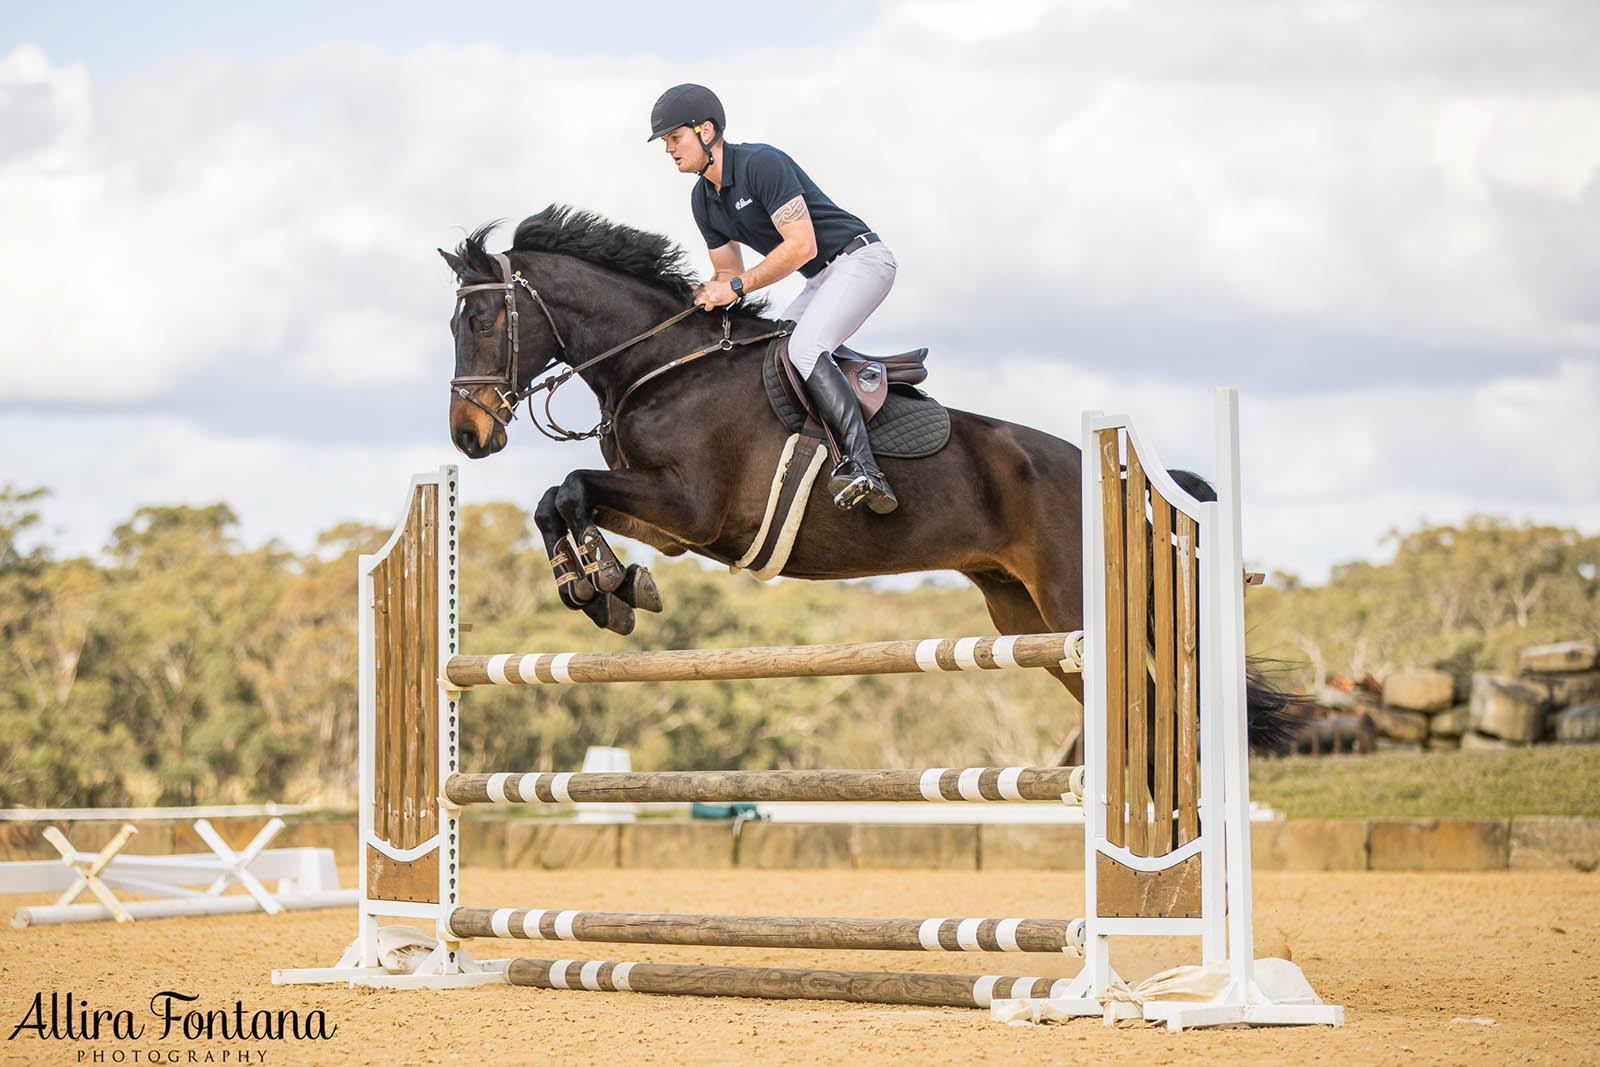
(1272, 728)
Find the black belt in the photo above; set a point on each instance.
(860, 241)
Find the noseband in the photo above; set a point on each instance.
(505, 384)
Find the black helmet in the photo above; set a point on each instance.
(685, 105)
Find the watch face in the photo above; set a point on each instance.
(736, 284)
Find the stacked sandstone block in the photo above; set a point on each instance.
(1420, 707)
(1567, 677)
(1555, 696)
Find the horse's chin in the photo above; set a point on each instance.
(473, 432)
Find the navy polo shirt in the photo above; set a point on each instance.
(757, 180)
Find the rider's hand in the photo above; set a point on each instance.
(714, 293)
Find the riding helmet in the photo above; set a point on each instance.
(685, 105)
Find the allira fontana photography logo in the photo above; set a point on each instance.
(171, 1016)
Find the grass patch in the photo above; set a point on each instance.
(1546, 780)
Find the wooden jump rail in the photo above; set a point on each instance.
(784, 661)
(780, 983)
(719, 787)
(1164, 785)
(768, 931)
(772, 983)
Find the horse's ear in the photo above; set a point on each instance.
(455, 262)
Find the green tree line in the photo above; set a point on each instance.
(183, 667)
(1461, 598)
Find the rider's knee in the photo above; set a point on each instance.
(803, 357)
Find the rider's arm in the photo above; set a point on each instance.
(726, 261)
(799, 247)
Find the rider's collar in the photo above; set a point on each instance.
(728, 170)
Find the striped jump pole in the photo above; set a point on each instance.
(767, 931)
(716, 787)
(780, 983)
(933, 655)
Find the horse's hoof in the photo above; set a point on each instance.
(619, 616)
(639, 589)
(610, 613)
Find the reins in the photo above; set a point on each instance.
(505, 384)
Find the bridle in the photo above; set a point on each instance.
(505, 383)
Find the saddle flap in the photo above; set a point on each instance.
(911, 424)
(869, 380)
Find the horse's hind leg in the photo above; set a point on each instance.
(1013, 611)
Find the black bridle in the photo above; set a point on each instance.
(505, 383)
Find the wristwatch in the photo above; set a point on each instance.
(737, 285)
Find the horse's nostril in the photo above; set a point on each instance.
(466, 440)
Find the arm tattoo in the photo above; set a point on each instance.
(793, 211)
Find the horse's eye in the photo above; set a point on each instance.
(483, 323)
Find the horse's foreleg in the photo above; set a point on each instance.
(574, 589)
(575, 502)
(599, 562)
(647, 497)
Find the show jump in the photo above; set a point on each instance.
(1164, 785)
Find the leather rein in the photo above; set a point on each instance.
(505, 383)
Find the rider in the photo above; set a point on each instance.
(756, 195)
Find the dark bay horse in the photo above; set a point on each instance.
(691, 454)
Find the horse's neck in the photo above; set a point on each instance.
(612, 376)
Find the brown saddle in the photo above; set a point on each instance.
(869, 376)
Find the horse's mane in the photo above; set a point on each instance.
(569, 231)
(586, 235)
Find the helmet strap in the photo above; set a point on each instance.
(706, 148)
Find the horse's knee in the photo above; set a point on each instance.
(571, 499)
(547, 516)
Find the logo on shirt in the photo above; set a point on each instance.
(742, 203)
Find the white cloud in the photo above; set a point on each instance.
(1380, 221)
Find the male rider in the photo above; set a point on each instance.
(755, 195)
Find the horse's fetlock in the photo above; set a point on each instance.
(600, 563)
(575, 589)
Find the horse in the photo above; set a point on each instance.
(690, 453)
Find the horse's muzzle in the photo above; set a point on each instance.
(474, 433)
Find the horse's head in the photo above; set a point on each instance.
(502, 342)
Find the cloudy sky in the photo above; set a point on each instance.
(1380, 221)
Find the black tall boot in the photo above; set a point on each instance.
(857, 478)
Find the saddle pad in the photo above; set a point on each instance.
(911, 423)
